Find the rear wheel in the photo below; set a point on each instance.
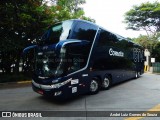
(137, 74)
(94, 86)
(106, 82)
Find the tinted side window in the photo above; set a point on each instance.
(84, 31)
(123, 43)
(106, 38)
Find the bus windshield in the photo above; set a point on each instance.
(48, 63)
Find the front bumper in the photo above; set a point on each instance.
(52, 91)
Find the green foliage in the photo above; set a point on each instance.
(144, 41)
(156, 52)
(21, 21)
(144, 17)
(147, 42)
(68, 9)
(151, 43)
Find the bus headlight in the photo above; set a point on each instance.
(58, 85)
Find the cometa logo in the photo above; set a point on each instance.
(116, 53)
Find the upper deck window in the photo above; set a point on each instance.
(84, 31)
(107, 39)
(58, 32)
(70, 29)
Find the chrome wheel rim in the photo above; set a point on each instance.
(136, 75)
(139, 73)
(105, 82)
(94, 86)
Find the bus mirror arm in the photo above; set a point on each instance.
(28, 48)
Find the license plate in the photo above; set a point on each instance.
(40, 92)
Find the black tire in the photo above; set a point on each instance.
(137, 74)
(94, 86)
(106, 82)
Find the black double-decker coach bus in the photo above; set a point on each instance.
(77, 56)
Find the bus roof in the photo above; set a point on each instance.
(104, 29)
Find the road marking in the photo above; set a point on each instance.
(155, 108)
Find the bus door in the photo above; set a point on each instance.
(75, 63)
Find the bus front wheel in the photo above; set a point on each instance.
(94, 86)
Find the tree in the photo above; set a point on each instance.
(21, 21)
(147, 43)
(152, 44)
(144, 17)
(68, 9)
(156, 52)
(143, 41)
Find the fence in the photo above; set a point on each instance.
(156, 67)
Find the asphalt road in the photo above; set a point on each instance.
(142, 94)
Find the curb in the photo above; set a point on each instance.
(27, 81)
(152, 73)
(19, 82)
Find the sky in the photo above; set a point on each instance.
(110, 14)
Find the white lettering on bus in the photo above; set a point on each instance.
(116, 53)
